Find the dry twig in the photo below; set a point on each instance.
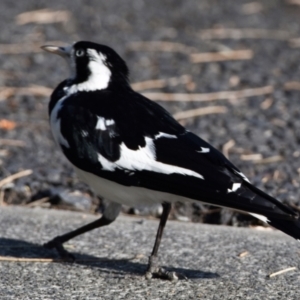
(294, 42)
(252, 8)
(22, 48)
(9, 142)
(243, 254)
(246, 33)
(227, 146)
(13, 177)
(2, 203)
(201, 97)
(160, 83)
(35, 90)
(292, 85)
(293, 2)
(282, 271)
(38, 202)
(192, 113)
(254, 157)
(269, 160)
(159, 46)
(43, 16)
(221, 56)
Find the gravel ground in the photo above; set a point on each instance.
(112, 260)
(266, 125)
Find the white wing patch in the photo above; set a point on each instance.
(102, 123)
(234, 188)
(99, 78)
(242, 175)
(143, 159)
(55, 125)
(165, 135)
(260, 217)
(204, 150)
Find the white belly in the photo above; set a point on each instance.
(126, 195)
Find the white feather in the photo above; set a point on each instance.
(126, 195)
(260, 217)
(235, 187)
(55, 125)
(166, 135)
(204, 150)
(143, 159)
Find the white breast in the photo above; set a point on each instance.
(55, 124)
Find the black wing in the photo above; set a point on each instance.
(175, 161)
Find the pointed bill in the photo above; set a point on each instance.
(62, 51)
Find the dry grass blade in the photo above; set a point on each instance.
(251, 8)
(20, 48)
(227, 146)
(38, 202)
(243, 254)
(282, 271)
(15, 176)
(35, 90)
(292, 85)
(159, 46)
(149, 84)
(2, 203)
(269, 160)
(43, 16)
(246, 33)
(293, 2)
(23, 48)
(160, 83)
(25, 259)
(192, 113)
(221, 56)
(254, 157)
(201, 97)
(9, 142)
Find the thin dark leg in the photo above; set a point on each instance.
(153, 269)
(162, 224)
(110, 214)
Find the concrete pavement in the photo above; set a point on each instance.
(112, 260)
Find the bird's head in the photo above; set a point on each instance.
(93, 66)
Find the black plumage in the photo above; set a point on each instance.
(123, 139)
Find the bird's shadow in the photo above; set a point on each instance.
(13, 249)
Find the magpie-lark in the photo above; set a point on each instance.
(131, 151)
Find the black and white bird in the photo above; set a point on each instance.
(131, 151)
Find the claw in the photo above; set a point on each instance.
(63, 253)
(154, 271)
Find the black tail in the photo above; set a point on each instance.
(276, 213)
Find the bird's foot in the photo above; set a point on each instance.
(58, 245)
(154, 271)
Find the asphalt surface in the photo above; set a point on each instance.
(112, 260)
(265, 125)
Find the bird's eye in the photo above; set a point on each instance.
(79, 52)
